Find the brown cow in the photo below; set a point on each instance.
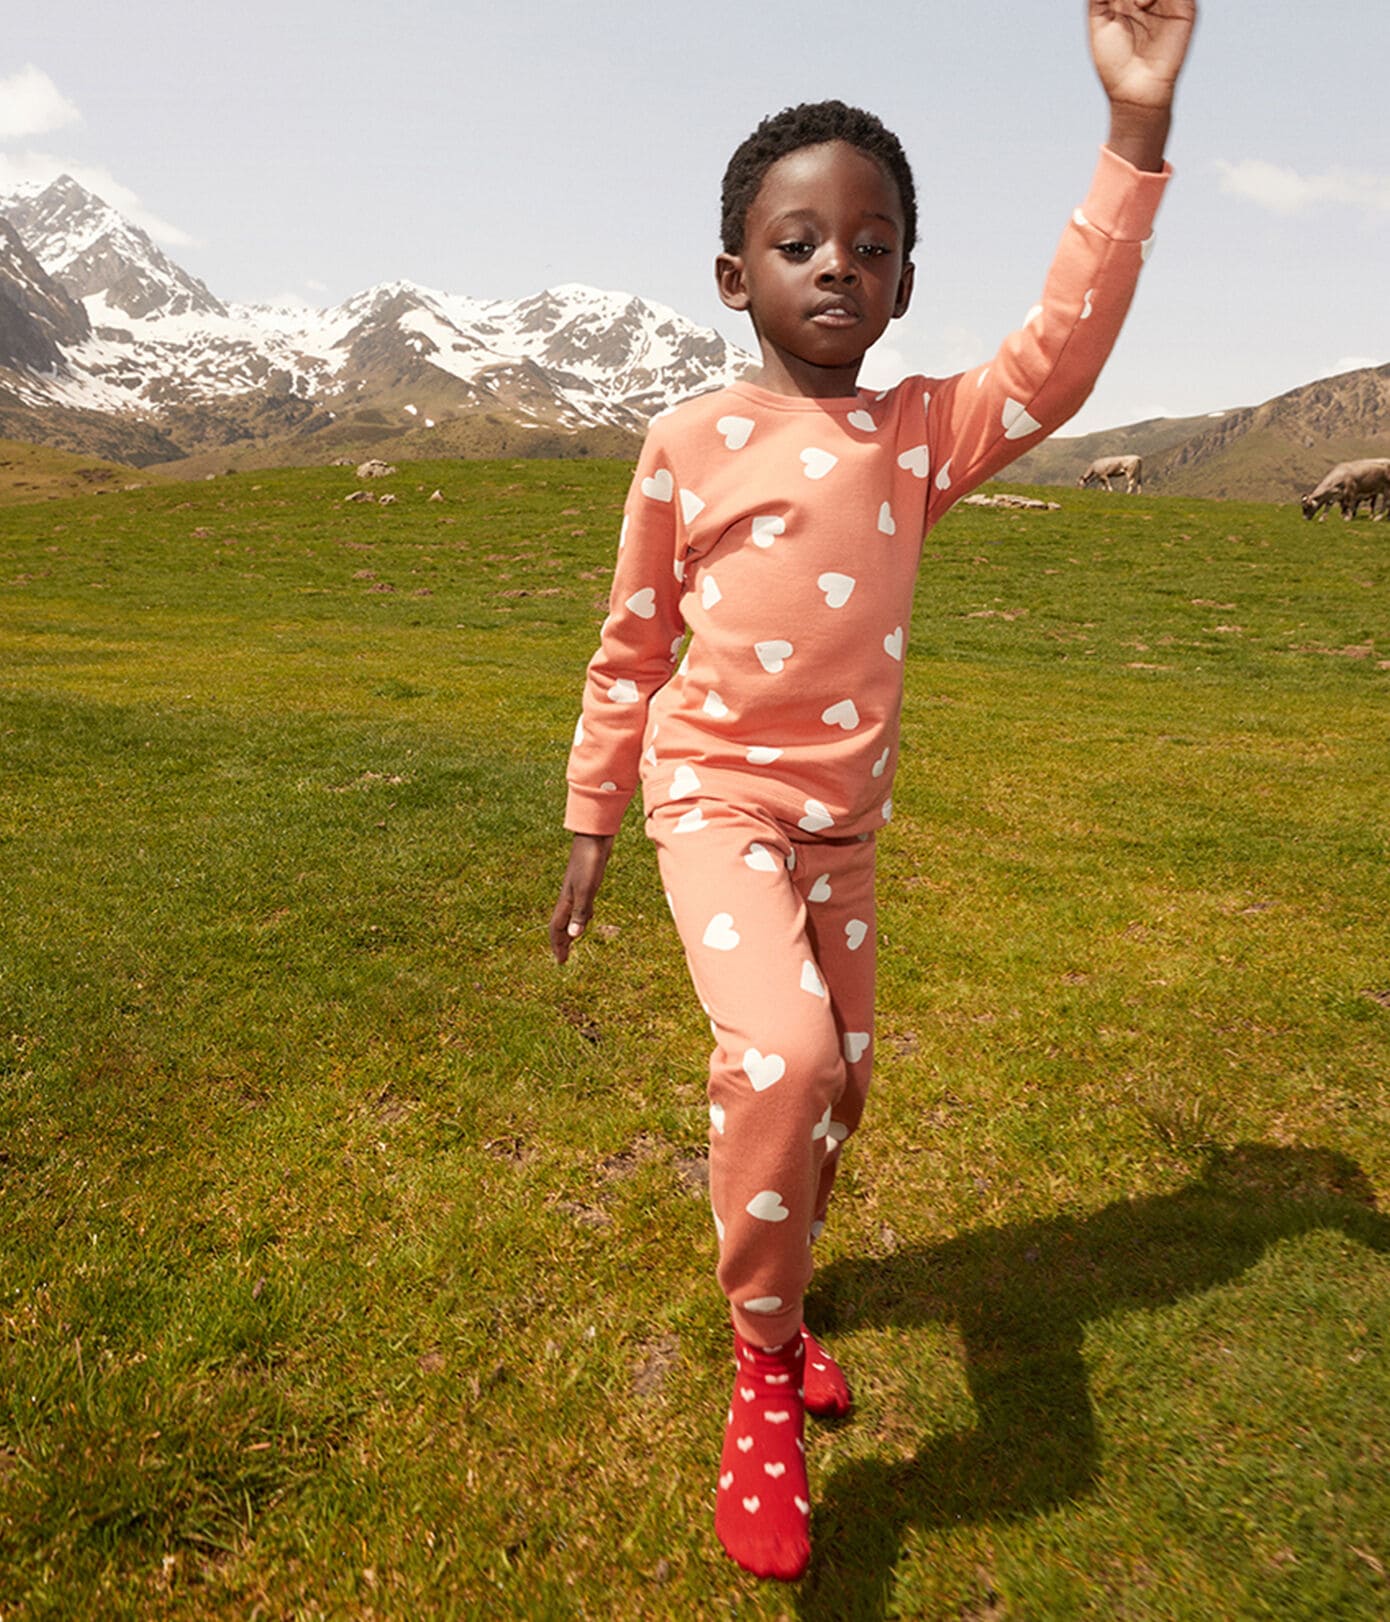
(1105, 468)
(1349, 484)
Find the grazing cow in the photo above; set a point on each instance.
(1105, 468)
(1349, 484)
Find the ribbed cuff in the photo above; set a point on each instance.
(594, 810)
(1123, 200)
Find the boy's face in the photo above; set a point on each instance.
(822, 271)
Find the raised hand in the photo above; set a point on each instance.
(1138, 47)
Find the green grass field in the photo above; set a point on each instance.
(356, 1260)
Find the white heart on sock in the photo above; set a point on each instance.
(766, 528)
(661, 486)
(726, 1481)
(643, 603)
(734, 431)
(801, 1504)
(752, 1505)
(744, 1444)
(820, 890)
(764, 1070)
(776, 1416)
(767, 1206)
(747, 1392)
(773, 655)
(775, 1470)
(720, 933)
(836, 587)
(816, 463)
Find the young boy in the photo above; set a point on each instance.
(780, 522)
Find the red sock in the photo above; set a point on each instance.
(762, 1513)
(827, 1390)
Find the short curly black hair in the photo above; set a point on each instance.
(811, 124)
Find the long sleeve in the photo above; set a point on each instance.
(638, 646)
(981, 420)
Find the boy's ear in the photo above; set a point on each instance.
(904, 297)
(728, 276)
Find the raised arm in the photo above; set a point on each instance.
(1138, 47)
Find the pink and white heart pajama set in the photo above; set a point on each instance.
(783, 535)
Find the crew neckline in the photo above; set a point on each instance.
(836, 405)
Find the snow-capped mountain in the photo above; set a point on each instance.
(157, 342)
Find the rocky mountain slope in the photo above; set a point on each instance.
(106, 345)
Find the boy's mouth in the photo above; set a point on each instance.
(835, 312)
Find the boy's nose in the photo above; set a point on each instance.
(839, 266)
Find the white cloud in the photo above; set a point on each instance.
(1285, 191)
(31, 104)
(30, 169)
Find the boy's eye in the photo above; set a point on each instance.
(873, 250)
(794, 250)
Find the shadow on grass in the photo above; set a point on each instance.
(1020, 1298)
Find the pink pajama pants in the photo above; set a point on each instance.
(778, 931)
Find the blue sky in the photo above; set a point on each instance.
(314, 149)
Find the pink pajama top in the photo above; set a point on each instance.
(762, 597)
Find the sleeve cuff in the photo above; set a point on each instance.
(1123, 200)
(594, 811)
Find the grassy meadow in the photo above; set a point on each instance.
(356, 1262)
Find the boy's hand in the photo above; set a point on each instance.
(1138, 47)
(588, 857)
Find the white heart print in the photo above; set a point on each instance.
(715, 706)
(760, 859)
(720, 934)
(842, 715)
(862, 421)
(684, 783)
(916, 461)
(643, 603)
(761, 1303)
(886, 522)
(816, 819)
(855, 931)
(767, 1207)
(816, 463)
(766, 529)
(716, 1117)
(692, 821)
(773, 655)
(734, 431)
(660, 486)
(820, 890)
(856, 1045)
(624, 691)
(881, 764)
(893, 643)
(837, 588)
(710, 593)
(810, 980)
(822, 1126)
(1016, 422)
(691, 506)
(762, 755)
(764, 1070)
